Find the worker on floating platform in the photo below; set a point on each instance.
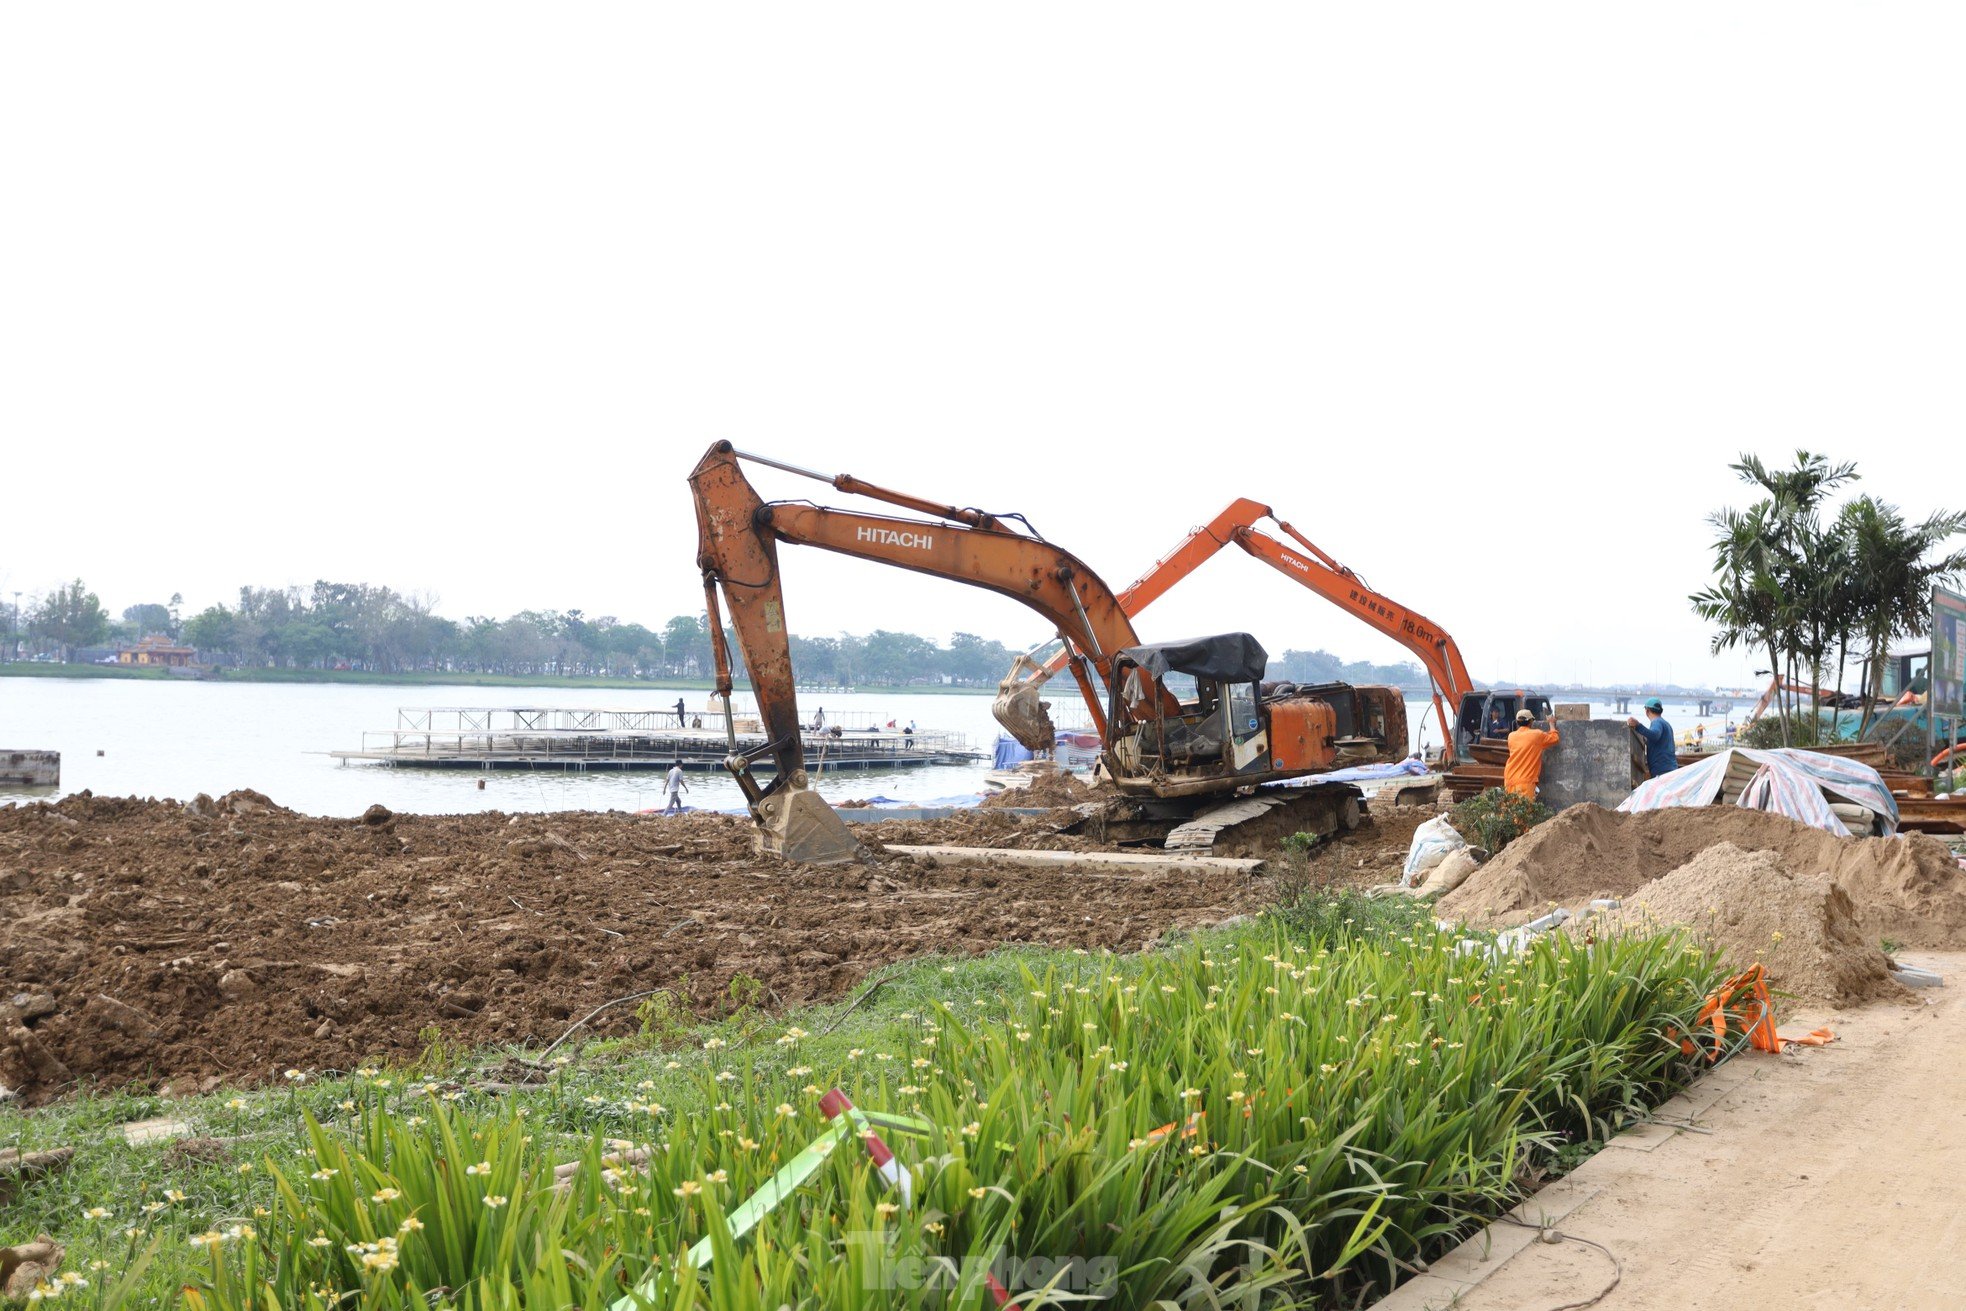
(1656, 733)
(1526, 747)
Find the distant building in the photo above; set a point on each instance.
(158, 650)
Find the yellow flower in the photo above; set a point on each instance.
(494, 1200)
(174, 1194)
(410, 1225)
(687, 1188)
(97, 1213)
(385, 1195)
(482, 1167)
(978, 1192)
(885, 1208)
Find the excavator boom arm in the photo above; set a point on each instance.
(1324, 575)
(737, 549)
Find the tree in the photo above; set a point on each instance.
(1745, 602)
(151, 618)
(686, 645)
(1889, 570)
(973, 659)
(1777, 570)
(70, 616)
(896, 658)
(211, 630)
(1786, 583)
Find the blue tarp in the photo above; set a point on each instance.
(1010, 752)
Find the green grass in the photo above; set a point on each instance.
(1357, 1092)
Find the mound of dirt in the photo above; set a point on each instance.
(153, 940)
(1906, 888)
(1051, 787)
(1749, 907)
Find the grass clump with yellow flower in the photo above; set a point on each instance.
(1277, 1114)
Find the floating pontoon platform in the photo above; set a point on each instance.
(537, 737)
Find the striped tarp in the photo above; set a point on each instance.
(1804, 785)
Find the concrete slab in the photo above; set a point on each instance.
(160, 1129)
(1113, 862)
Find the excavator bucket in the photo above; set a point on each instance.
(798, 825)
(1019, 710)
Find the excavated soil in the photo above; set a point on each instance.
(1055, 787)
(163, 942)
(1749, 907)
(1908, 888)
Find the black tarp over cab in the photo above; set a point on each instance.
(1223, 658)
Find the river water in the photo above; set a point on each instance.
(131, 737)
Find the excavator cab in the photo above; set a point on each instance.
(1480, 709)
(1188, 709)
(1196, 715)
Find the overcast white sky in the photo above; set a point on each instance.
(1482, 298)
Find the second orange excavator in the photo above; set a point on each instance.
(1187, 731)
(1306, 563)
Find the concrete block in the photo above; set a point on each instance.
(1571, 712)
(32, 769)
(1593, 762)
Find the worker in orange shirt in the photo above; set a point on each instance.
(1526, 747)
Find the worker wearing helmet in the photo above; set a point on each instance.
(1526, 747)
(1656, 733)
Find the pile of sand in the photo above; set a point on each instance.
(1749, 907)
(1909, 888)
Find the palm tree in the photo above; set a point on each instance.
(1748, 602)
(1890, 571)
(1808, 559)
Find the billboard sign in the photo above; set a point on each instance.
(1948, 671)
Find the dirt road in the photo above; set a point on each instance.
(1827, 1180)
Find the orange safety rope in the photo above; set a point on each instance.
(1749, 989)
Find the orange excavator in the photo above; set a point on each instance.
(1187, 734)
(1310, 565)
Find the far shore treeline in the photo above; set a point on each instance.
(358, 627)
